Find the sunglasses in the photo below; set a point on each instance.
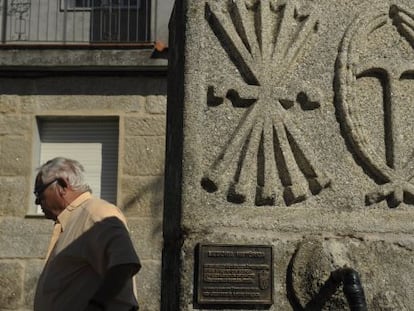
(39, 190)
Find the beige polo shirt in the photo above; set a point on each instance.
(94, 238)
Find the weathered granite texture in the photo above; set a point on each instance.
(290, 123)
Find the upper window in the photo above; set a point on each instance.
(92, 141)
(132, 4)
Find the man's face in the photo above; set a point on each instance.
(47, 197)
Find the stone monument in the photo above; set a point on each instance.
(290, 155)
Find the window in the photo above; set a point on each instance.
(120, 21)
(114, 20)
(91, 4)
(91, 141)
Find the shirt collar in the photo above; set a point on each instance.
(64, 216)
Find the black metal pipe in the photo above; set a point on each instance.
(352, 288)
(4, 22)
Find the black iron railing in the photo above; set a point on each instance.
(75, 21)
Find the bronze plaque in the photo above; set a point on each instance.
(234, 275)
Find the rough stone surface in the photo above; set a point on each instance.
(145, 126)
(15, 125)
(24, 238)
(9, 103)
(293, 120)
(31, 276)
(146, 233)
(137, 104)
(150, 152)
(141, 196)
(150, 271)
(14, 155)
(10, 284)
(11, 201)
(87, 59)
(63, 103)
(156, 104)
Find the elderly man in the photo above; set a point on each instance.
(91, 261)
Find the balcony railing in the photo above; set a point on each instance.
(75, 21)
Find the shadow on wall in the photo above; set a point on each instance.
(150, 194)
(84, 84)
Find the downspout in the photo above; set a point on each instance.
(4, 22)
(352, 288)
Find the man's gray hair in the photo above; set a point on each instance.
(68, 169)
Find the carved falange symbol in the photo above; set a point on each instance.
(266, 155)
(387, 154)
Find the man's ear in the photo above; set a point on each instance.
(61, 182)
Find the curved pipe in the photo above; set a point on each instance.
(352, 288)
